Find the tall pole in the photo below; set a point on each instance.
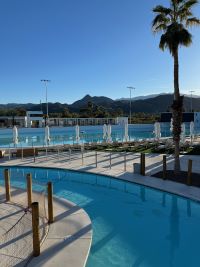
(130, 88)
(45, 83)
(191, 100)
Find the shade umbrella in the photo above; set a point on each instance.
(126, 137)
(104, 131)
(171, 125)
(77, 131)
(15, 135)
(25, 122)
(183, 132)
(191, 131)
(157, 131)
(47, 135)
(109, 132)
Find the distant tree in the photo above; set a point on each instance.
(101, 112)
(90, 109)
(66, 113)
(119, 112)
(55, 115)
(20, 111)
(173, 22)
(90, 105)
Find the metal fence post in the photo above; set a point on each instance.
(7, 184)
(164, 167)
(22, 152)
(35, 228)
(70, 154)
(9, 152)
(34, 154)
(29, 188)
(189, 177)
(58, 154)
(110, 160)
(142, 164)
(50, 202)
(82, 155)
(125, 161)
(96, 158)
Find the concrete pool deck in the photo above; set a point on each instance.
(70, 234)
(69, 239)
(87, 163)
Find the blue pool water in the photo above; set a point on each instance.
(66, 135)
(133, 226)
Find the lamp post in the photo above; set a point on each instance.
(45, 83)
(130, 88)
(191, 92)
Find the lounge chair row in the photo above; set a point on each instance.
(26, 152)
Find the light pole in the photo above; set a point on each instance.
(191, 100)
(45, 82)
(130, 88)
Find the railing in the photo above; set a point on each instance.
(86, 156)
(34, 204)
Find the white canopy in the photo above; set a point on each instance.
(126, 137)
(104, 131)
(171, 125)
(15, 135)
(183, 132)
(157, 131)
(47, 135)
(191, 131)
(109, 132)
(77, 131)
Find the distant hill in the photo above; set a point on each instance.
(96, 100)
(153, 104)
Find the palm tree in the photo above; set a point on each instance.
(173, 22)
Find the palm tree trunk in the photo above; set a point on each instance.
(176, 76)
(177, 107)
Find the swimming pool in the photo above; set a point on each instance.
(133, 226)
(66, 135)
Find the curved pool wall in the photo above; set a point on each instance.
(66, 135)
(133, 226)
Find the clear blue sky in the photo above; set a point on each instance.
(95, 47)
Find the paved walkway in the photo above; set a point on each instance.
(69, 239)
(16, 230)
(70, 235)
(87, 162)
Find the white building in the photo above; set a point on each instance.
(34, 119)
(122, 120)
(86, 121)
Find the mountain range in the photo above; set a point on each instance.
(153, 104)
(143, 97)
